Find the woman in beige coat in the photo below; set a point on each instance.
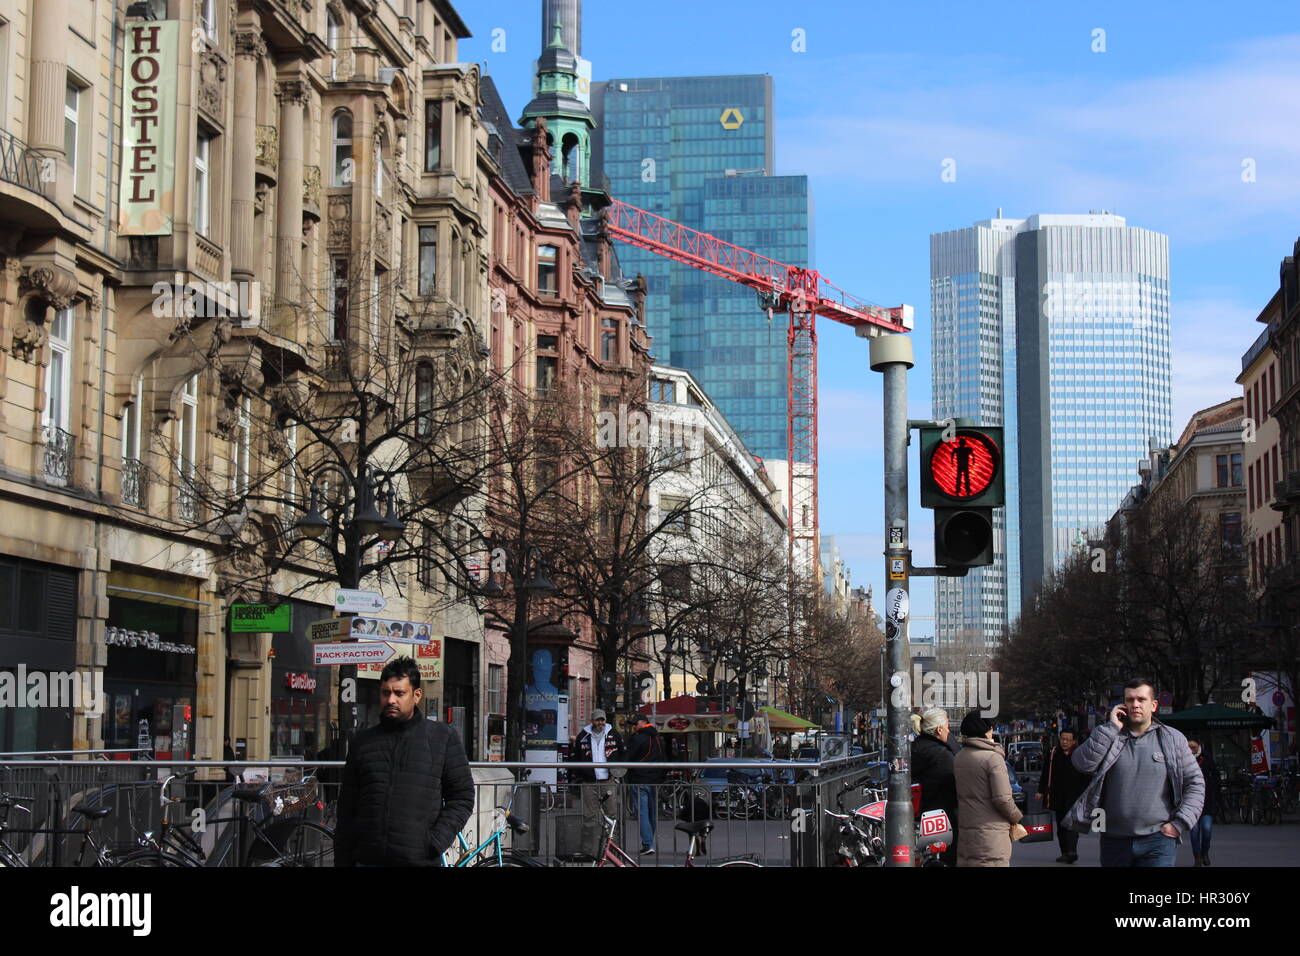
(985, 809)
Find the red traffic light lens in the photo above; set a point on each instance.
(965, 466)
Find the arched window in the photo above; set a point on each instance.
(424, 400)
(343, 162)
(569, 158)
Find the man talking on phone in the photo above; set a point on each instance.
(1145, 781)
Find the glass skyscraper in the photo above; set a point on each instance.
(698, 151)
(1056, 327)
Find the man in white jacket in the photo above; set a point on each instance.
(597, 743)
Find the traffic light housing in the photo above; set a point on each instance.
(962, 480)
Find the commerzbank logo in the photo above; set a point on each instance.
(731, 118)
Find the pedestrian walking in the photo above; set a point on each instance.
(987, 812)
(407, 788)
(1058, 787)
(644, 746)
(596, 744)
(1204, 827)
(1145, 780)
(932, 757)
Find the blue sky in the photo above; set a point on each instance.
(1155, 127)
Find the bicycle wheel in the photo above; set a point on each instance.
(739, 863)
(307, 844)
(148, 858)
(1272, 810)
(508, 859)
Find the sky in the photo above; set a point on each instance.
(1180, 117)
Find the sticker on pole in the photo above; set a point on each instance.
(901, 854)
(897, 569)
(359, 653)
(896, 605)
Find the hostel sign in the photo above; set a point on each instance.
(149, 81)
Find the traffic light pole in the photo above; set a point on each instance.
(892, 356)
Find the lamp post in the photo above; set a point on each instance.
(330, 523)
(526, 573)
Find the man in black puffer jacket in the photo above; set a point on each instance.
(407, 788)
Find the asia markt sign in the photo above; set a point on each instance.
(261, 618)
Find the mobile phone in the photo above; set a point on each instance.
(1121, 712)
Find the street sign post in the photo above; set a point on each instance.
(330, 629)
(361, 652)
(359, 602)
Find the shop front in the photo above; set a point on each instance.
(150, 674)
(38, 635)
(300, 691)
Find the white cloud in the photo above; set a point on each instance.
(1209, 335)
(1168, 147)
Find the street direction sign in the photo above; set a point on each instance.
(361, 602)
(359, 653)
(388, 629)
(330, 629)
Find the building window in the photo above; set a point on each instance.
(208, 18)
(379, 177)
(333, 30)
(58, 405)
(663, 390)
(202, 188)
(132, 469)
(546, 368)
(547, 270)
(76, 99)
(608, 340)
(1230, 530)
(432, 135)
(676, 514)
(424, 400)
(338, 304)
(242, 446)
(1228, 469)
(496, 688)
(291, 461)
(428, 260)
(342, 174)
(187, 442)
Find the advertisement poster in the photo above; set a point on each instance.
(386, 629)
(541, 700)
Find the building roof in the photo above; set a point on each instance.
(509, 140)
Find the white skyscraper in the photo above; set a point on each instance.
(1056, 327)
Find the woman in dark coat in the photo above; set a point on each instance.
(932, 754)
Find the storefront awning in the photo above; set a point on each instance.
(780, 721)
(154, 589)
(1217, 715)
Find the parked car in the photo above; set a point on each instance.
(737, 793)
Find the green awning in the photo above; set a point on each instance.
(780, 721)
(1217, 715)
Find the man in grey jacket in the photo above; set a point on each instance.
(1145, 781)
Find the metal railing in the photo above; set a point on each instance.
(133, 482)
(768, 813)
(21, 165)
(58, 455)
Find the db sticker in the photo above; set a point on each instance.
(901, 854)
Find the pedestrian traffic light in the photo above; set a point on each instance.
(962, 481)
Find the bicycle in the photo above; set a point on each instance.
(506, 820)
(8, 855)
(698, 830)
(296, 842)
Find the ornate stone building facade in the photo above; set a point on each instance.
(212, 214)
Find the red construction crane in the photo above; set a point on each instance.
(804, 294)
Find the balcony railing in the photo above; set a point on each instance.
(58, 455)
(187, 503)
(133, 482)
(20, 165)
(1286, 492)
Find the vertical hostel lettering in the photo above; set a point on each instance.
(149, 129)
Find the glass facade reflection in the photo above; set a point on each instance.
(1058, 328)
(697, 150)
